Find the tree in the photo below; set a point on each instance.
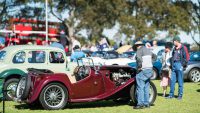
(193, 10)
(150, 16)
(18, 9)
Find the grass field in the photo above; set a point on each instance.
(189, 104)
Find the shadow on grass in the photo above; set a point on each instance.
(198, 90)
(29, 106)
(161, 94)
(95, 104)
(76, 105)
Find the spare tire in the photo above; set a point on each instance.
(23, 87)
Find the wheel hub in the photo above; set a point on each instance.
(53, 96)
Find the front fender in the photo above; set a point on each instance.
(8, 72)
(47, 80)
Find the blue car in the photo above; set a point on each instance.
(157, 65)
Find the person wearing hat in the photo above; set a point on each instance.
(55, 43)
(177, 65)
(144, 58)
(77, 54)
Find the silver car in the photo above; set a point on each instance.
(192, 71)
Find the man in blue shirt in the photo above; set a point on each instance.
(55, 43)
(77, 54)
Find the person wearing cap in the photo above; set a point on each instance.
(55, 43)
(77, 54)
(177, 60)
(144, 58)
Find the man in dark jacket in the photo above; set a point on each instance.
(145, 71)
(178, 61)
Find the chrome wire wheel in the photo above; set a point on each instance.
(11, 89)
(54, 96)
(21, 87)
(194, 75)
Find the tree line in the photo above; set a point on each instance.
(139, 18)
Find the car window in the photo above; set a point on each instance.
(101, 55)
(2, 55)
(56, 57)
(19, 57)
(36, 56)
(195, 56)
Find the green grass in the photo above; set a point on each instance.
(189, 104)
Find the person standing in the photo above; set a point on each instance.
(177, 64)
(77, 54)
(145, 71)
(166, 71)
(74, 43)
(55, 43)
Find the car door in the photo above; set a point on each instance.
(89, 87)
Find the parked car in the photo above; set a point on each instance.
(192, 71)
(109, 58)
(92, 83)
(157, 65)
(14, 61)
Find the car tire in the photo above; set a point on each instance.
(155, 74)
(194, 75)
(10, 86)
(23, 88)
(48, 92)
(152, 97)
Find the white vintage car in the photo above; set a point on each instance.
(111, 58)
(15, 60)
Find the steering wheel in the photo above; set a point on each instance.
(82, 72)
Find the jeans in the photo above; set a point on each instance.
(177, 74)
(143, 86)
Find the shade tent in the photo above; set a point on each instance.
(124, 48)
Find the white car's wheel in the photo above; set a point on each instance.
(10, 86)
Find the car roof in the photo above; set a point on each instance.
(156, 49)
(26, 47)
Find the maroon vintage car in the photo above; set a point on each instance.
(92, 83)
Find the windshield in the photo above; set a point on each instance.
(2, 55)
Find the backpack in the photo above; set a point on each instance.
(185, 61)
(187, 53)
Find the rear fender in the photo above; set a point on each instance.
(47, 80)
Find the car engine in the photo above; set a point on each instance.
(120, 77)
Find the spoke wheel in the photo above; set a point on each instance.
(54, 96)
(152, 93)
(11, 86)
(21, 87)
